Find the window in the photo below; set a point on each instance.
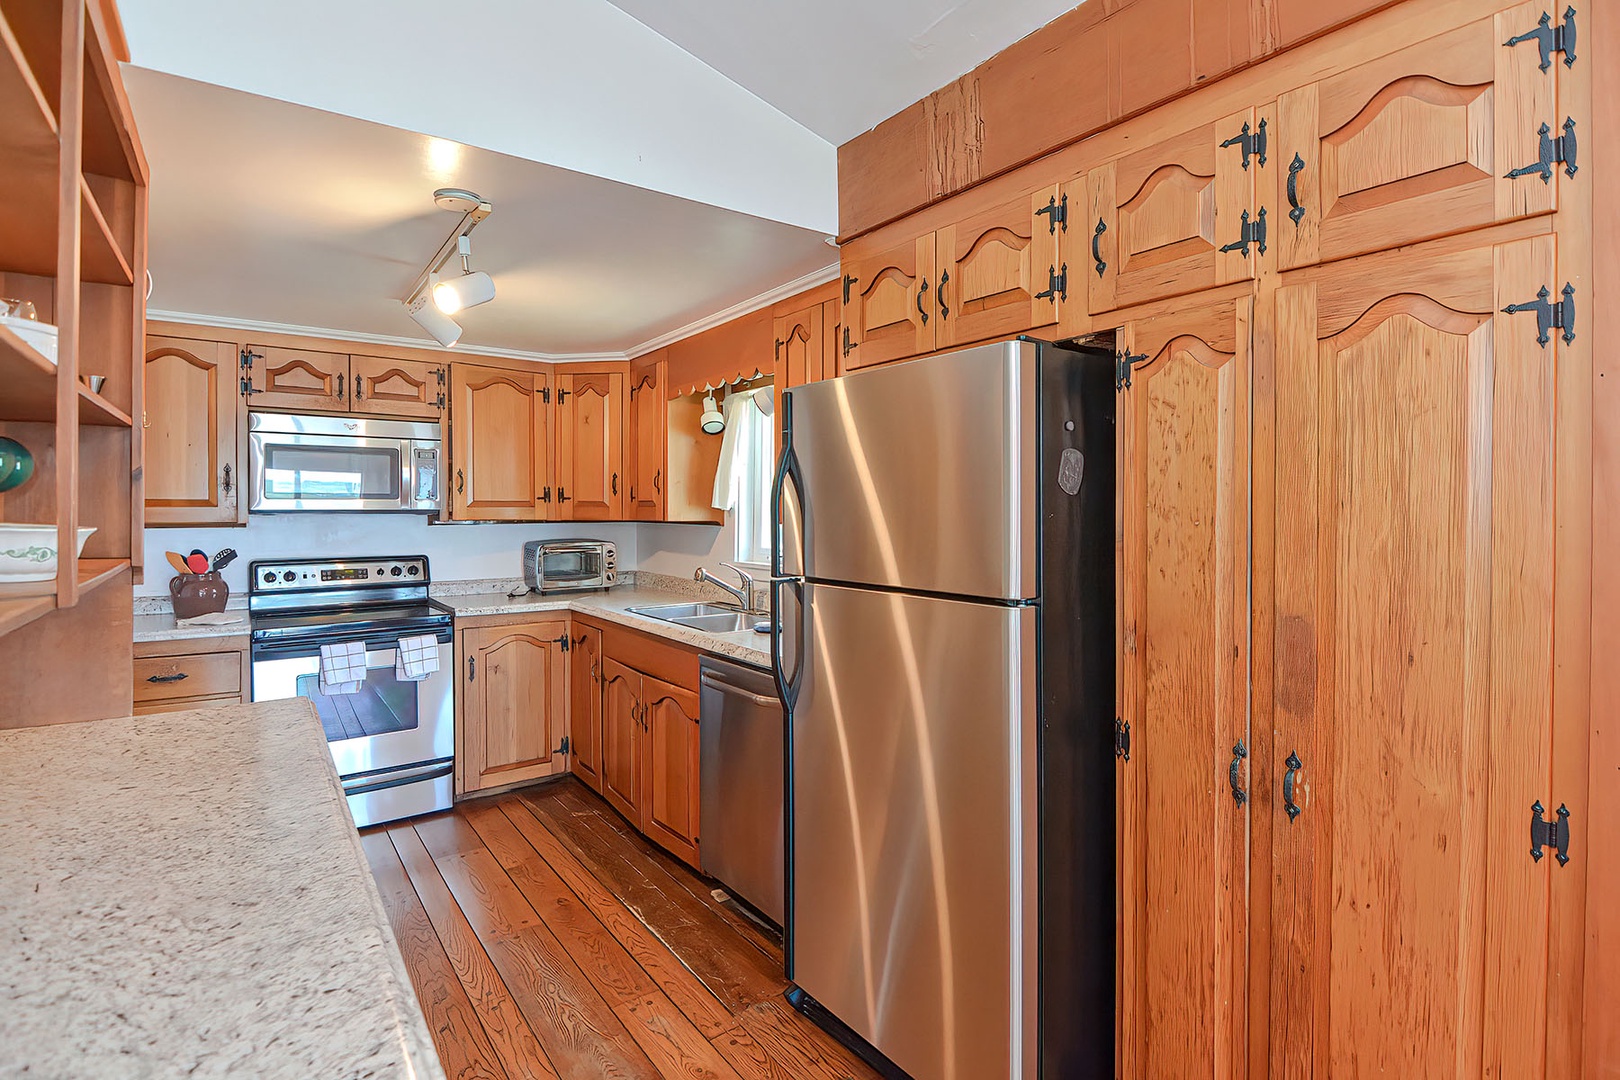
(747, 467)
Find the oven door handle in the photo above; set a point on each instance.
(392, 778)
(304, 648)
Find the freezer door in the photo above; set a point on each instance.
(914, 836)
(919, 476)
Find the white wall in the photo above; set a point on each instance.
(678, 550)
(455, 552)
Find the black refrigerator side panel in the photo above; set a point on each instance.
(1076, 505)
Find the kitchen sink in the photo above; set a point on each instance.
(714, 618)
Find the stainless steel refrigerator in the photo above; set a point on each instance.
(945, 649)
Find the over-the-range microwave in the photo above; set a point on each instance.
(343, 463)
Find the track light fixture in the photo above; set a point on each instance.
(431, 301)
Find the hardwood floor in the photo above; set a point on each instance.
(545, 938)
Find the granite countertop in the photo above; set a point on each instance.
(474, 599)
(185, 894)
(612, 606)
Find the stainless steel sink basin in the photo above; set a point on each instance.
(714, 618)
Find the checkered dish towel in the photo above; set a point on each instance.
(343, 668)
(418, 658)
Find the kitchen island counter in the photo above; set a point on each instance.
(185, 894)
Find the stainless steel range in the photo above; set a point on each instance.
(393, 739)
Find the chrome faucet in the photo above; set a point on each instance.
(744, 595)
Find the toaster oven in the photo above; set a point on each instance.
(569, 565)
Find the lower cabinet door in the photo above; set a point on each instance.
(514, 682)
(585, 705)
(670, 792)
(621, 739)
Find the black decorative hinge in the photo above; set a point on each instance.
(849, 346)
(246, 381)
(438, 373)
(1057, 213)
(1550, 39)
(1122, 739)
(1251, 143)
(545, 395)
(1250, 232)
(564, 747)
(545, 494)
(562, 395)
(849, 282)
(1550, 316)
(1122, 368)
(563, 642)
(1057, 284)
(1553, 834)
(1559, 151)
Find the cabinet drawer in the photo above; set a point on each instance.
(194, 675)
(147, 708)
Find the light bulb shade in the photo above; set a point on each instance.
(712, 422)
(445, 330)
(468, 290)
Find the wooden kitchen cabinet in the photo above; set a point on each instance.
(501, 450)
(297, 380)
(622, 752)
(649, 432)
(670, 776)
(192, 431)
(1168, 219)
(191, 673)
(514, 703)
(1421, 143)
(592, 484)
(891, 303)
(585, 704)
(799, 347)
(1183, 431)
(409, 389)
(1415, 613)
(999, 271)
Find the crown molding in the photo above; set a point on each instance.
(227, 323)
(764, 299)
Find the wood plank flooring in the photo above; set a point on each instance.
(545, 938)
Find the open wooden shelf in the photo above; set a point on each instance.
(22, 603)
(104, 259)
(29, 380)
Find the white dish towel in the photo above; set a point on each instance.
(418, 657)
(343, 668)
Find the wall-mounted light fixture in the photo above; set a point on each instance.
(431, 301)
(712, 422)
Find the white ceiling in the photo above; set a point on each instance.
(839, 67)
(269, 212)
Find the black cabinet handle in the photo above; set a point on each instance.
(615, 483)
(472, 668)
(1096, 246)
(922, 292)
(1239, 752)
(658, 477)
(340, 386)
(1294, 765)
(461, 482)
(1295, 167)
(944, 308)
(225, 487)
(176, 677)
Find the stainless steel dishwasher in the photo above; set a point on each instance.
(741, 783)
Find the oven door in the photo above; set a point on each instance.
(387, 725)
(291, 471)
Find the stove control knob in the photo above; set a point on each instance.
(415, 570)
(395, 572)
(288, 576)
(269, 577)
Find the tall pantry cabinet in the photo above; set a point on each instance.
(1350, 292)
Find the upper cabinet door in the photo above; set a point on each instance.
(498, 423)
(591, 417)
(999, 273)
(832, 336)
(1414, 637)
(515, 681)
(190, 431)
(891, 310)
(298, 380)
(799, 347)
(1444, 136)
(1171, 218)
(407, 388)
(1183, 688)
(648, 438)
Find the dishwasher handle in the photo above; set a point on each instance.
(709, 679)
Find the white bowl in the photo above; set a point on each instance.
(38, 335)
(28, 552)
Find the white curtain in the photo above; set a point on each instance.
(744, 411)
